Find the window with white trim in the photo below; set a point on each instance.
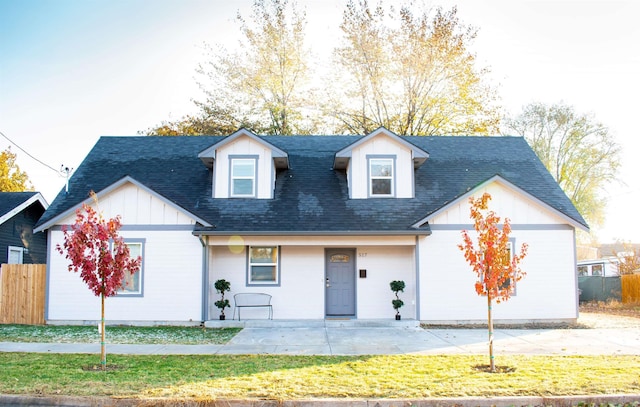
(263, 265)
(132, 283)
(509, 283)
(243, 177)
(15, 255)
(381, 182)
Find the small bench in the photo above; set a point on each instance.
(251, 300)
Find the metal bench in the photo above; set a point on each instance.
(251, 300)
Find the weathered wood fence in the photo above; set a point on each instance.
(22, 293)
(631, 289)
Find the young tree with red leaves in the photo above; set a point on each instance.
(496, 267)
(94, 248)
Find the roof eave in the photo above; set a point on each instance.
(36, 197)
(413, 232)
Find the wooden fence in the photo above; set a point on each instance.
(631, 289)
(22, 293)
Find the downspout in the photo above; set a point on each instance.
(205, 277)
(47, 284)
(417, 255)
(575, 276)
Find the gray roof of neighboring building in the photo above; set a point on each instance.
(310, 196)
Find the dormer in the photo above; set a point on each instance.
(380, 165)
(244, 166)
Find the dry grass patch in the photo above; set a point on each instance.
(611, 307)
(117, 334)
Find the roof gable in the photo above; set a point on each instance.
(342, 157)
(12, 203)
(104, 192)
(280, 157)
(508, 185)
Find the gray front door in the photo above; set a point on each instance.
(340, 282)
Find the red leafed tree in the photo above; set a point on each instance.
(496, 267)
(95, 249)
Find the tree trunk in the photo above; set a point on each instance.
(103, 349)
(492, 365)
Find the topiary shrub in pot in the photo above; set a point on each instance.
(397, 286)
(221, 287)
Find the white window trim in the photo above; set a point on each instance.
(512, 283)
(15, 249)
(371, 177)
(140, 292)
(254, 177)
(275, 283)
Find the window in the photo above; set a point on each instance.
(263, 265)
(596, 270)
(16, 255)
(508, 282)
(583, 270)
(132, 283)
(243, 177)
(381, 177)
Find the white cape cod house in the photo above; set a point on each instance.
(321, 223)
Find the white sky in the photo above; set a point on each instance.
(74, 70)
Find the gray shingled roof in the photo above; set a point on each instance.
(310, 196)
(11, 200)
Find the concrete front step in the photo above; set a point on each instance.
(313, 323)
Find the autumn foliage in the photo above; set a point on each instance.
(95, 249)
(495, 266)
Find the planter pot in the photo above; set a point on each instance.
(398, 317)
(222, 317)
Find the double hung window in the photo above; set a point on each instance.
(243, 177)
(381, 177)
(132, 283)
(263, 265)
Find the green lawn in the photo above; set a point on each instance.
(303, 377)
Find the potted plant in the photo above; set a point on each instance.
(397, 286)
(221, 286)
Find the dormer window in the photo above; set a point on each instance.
(243, 177)
(381, 176)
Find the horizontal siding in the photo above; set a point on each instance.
(547, 292)
(172, 283)
(301, 294)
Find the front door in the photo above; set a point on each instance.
(340, 281)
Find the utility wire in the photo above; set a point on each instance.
(25, 151)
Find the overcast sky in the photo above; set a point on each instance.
(74, 70)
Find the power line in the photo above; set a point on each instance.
(25, 151)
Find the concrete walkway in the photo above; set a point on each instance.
(327, 339)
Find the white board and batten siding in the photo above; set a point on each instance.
(172, 274)
(547, 292)
(381, 146)
(244, 146)
(301, 292)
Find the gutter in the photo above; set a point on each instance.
(417, 232)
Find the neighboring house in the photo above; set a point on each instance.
(605, 267)
(322, 223)
(19, 213)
